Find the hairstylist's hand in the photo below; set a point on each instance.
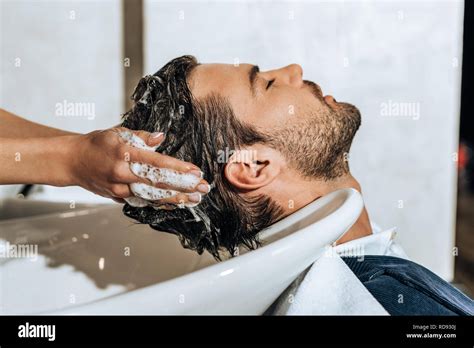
(101, 165)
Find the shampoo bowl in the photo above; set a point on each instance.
(94, 260)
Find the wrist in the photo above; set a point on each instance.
(68, 159)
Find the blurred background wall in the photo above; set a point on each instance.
(398, 61)
(57, 55)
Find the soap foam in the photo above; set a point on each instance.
(151, 193)
(165, 176)
(147, 195)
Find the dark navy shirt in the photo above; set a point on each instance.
(404, 287)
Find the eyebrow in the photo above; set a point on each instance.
(254, 70)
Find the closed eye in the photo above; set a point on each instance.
(270, 83)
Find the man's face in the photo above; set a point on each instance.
(311, 130)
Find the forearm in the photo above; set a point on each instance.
(97, 161)
(12, 126)
(44, 160)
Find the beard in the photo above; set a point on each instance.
(318, 145)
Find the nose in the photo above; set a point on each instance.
(291, 75)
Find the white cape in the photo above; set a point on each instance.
(329, 287)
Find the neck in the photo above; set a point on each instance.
(304, 192)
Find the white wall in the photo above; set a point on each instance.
(367, 53)
(57, 51)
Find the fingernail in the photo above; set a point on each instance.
(197, 173)
(194, 197)
(204, 188)
(156, 135)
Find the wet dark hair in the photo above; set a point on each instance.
(198, 132)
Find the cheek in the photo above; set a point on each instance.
(283, 108)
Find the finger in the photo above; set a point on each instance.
(170, 179)
(181, 200)
(155, 139)
(202, 186)
(128, 173)
(158, 197)
(159, 160)
(151, 139)
(151, 193)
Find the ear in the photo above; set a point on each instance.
(253, 167)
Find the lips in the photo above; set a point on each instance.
(329, 99)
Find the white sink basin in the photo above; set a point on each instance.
(94, 260)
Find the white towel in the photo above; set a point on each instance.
(331, 288)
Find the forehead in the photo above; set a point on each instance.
(226, 80)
